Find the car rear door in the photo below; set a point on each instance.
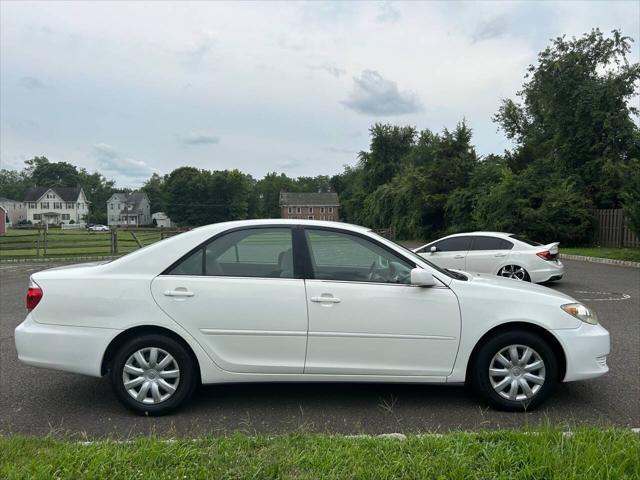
(241, 296)
(487, 254)
(366, 319)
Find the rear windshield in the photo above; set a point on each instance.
(526, 240)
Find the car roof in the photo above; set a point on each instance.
(486, 233)
(282, 221)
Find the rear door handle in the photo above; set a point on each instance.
(325, 299)
(500, 255)
(179, 293)
(458, 256)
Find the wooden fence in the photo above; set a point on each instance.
(56, 243)
(611, 230)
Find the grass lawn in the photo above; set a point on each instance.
(632, 254)
(587, 454)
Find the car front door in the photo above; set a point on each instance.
(239, 297)
(366, 319)
(487, 254)
(450, 252)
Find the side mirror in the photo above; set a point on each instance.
(422, 278)
(433, 249)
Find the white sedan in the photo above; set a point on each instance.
(98, 228)
(291, 300)
(496, 253)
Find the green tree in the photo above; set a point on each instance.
(631, 197)
(575, 114)
(156, 190)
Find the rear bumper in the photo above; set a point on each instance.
(61, 347)
(546, 271)
(586, 349)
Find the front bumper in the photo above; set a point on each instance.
(62, 347)
(586, 349)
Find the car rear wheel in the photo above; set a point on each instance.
(514, 371)
(153, 374)
(514, 271)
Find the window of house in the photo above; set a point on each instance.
(298, 210)
(69, 205)
(290, 210)
(57, 205)
(259, 252)
(32, 205)
(342, 256)
(66, 216)
(330, 217)
(310, 217)
(44, 204)
(321, 209)
(330, 209)
(37, 216)
(310, 209)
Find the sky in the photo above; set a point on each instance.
(133, 88)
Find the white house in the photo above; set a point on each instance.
(128, 209)
(16, 210)
(161, 220)
(56, 205)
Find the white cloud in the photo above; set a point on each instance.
(30, 83)
(372, 94)
(112, 161)
(199, 138)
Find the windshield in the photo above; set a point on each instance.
(418, 259)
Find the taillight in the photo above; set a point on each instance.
(547, 255)
(34, 295)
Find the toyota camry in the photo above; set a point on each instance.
(297, 300)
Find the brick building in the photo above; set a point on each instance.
(310, 206)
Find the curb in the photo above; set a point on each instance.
(606, 261)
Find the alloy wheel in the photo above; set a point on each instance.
(513, 271)
(151, 375)
(517, 372)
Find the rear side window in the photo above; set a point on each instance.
(454, 244)
(490, 243)
(526, 240)
(260, 252)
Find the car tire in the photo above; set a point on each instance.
(154, 383)
(486, 371)
(515, 272)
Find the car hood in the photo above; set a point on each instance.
(516, 286)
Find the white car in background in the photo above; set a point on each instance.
(98, 228)
(300, 301)
(496, 253)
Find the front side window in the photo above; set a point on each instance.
(345, 257)
(260, 252)
(454, 244)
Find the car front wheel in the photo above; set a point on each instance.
(153, 374)
(514, 371)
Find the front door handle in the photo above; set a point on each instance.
(325, 299)
(500, 255)
(179, 293)
(458, 256)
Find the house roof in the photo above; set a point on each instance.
(288, 199)
(9, 200)
(133, 198)
(68, 194)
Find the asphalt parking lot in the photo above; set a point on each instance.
(38, 402)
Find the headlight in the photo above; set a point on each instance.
(581, 312)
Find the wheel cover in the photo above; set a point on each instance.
(517, 372)
(513, 271)
(151, 375)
